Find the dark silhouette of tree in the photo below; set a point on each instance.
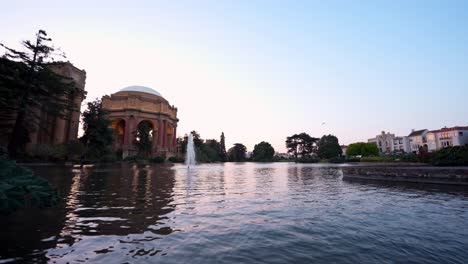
(301, 144)
(98, 136)
(328, 147)
(263, 152)
(237, 152)
(29, 87)
(222, 148)
(144, 138)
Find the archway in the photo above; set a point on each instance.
(144, 137)
(118, 125)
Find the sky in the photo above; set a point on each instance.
(264, 70)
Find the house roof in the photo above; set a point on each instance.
(417, 133)
(446, 129)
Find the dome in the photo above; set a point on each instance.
(141, 89)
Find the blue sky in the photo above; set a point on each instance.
(262, 70)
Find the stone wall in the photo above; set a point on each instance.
(437, 175)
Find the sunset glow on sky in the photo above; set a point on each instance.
(263, 70)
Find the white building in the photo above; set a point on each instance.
(446, 137)
(401, 144)
(388, 143)
(418, 139)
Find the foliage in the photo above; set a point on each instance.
(378, 159)
(451, 156)
(307, 159)
(362, 149)
(237, 153)
(28, 87)
(134, 158)
(19, 187)
(222, 148)
(206, 150)
(59, 152)
(263, 152)
(42, 151)
(328, 147)
(75, 149)
(175, 159)
(157, 159)
(143, 138)
(337, 160)
(301, 144)
(353, 159)
(98, 137)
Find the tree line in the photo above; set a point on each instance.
(305, 148)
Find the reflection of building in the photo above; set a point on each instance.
(446, 137)
(418, 139)
(54, 130)
(134, 105)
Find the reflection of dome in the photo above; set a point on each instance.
(141, 89)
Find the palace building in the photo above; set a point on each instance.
(133, 106)
(55, 130)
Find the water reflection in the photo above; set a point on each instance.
(236, 212)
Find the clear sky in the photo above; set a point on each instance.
(263, 70)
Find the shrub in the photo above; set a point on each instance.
(353, 159)
(307, 159)
(59, 152)
(18, 186)
(337, 160)
(377, 159)
(175, 159)
(75, 149)
(157, 159)
(451, 156)
(108, 158)
(134, 158)
(42, 151)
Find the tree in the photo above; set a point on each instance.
(237, 152)
(362, 149)
(98, 136)
(302, 144)
(328, 147)
(222, 148)
(263, 151)
(28, 87)
(144, 138)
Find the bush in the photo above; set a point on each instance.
(59, 152)
(353, 159)
(18, 187)
(75, 149)
(377, 159)
(176, 159)
(108, 158)
(134, 158)
(42, 151)
(451, 156)
(337, 160)
(307, 160)
(157, 159)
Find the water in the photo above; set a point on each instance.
(190, 159)
(236, 213)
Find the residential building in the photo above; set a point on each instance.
(446, 137)
(401, 144)
(384, 142)
(418, 139)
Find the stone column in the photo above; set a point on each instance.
(164, 134)
(59, 131)
(174, 141)
(126, 131)
(160, 134)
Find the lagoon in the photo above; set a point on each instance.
(236, 213)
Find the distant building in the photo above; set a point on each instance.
(446, 137)
(344, 148)
(401, 144)
(388, 143)
(282, 155)
(418, 139)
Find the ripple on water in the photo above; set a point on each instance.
(237, 213)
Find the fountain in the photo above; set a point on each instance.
(190, 158)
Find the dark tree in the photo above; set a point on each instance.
(362, 149)
(263, 152)
(237, 153)
(301, 144)
(98, 136)
(328, 147)
(222, 148)
(144, 138)
(28, 87)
